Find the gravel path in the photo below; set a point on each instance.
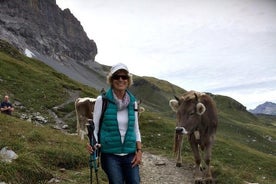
(160, 170)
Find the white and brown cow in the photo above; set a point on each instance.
(197, 117)
(84, 110)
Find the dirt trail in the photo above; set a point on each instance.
(161, 170)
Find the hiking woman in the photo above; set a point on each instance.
(118, 134)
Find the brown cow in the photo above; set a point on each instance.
(84, 110)
(196, 115)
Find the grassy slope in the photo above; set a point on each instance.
(155, 94)
(242, 151)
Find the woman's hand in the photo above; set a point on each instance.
(91, 149)
(137, 158)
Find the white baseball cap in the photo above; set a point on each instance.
(119, 66)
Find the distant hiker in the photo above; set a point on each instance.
(119, 134)
(6, 106)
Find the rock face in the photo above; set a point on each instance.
(41, 26)
(265, 108)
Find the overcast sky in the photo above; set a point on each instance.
(225, 47)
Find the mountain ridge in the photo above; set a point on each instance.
(268, 108)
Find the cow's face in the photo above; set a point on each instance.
(188, 113)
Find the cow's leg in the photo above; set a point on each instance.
(78, 120)
(198, 173)
(207, 158)
(82, 127)
(179, 139)
(78, 124)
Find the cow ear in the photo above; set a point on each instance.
(200, 108)
(174, 104)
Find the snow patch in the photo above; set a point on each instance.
(29, 53)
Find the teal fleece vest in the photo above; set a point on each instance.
(110, 135)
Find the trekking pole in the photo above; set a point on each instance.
(93, 156)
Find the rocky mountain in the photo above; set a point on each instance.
(42, 26)
(40, 29)
(265, 108)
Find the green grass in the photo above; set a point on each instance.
(244, 150)
(42, 152)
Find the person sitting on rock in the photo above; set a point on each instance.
(6, 106)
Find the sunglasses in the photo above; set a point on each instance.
(117, 77)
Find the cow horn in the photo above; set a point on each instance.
(196, 97)
(200, 108)
(176, 98)
(174, 104)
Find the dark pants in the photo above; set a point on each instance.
(119, 169)
(7, 112)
